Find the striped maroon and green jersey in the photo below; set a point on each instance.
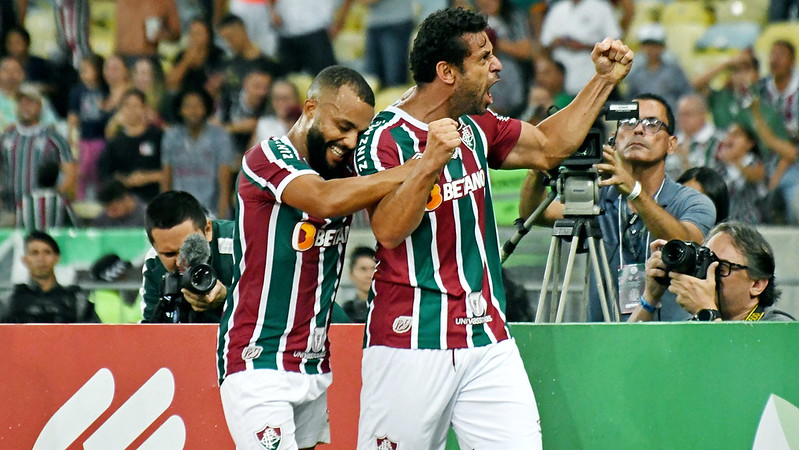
(24, 150)
(288, 266)
(442, 287)
(43, 209)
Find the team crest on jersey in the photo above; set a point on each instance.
(306, 236)
(477, 302)
(251, 352)
(384, 443)
(269, 437)
(402, 324)
(467, 137)
(318, 340)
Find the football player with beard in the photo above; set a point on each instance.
(438, 351)
(293, 215)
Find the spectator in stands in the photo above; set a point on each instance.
(246, 56)
(12, 14)
(196, 63)
(709, 182)
(513, 45)
(739, 161)
(197, 156)
(87, 119)
(570, 30)
(170, 218)
(42, 299)
(134, 155)
(389, 25)
(38, 71)
(740, 285)
(780, 88)
(697, 138)
(121, 209)
(12, 77)
(733, 101)
(304, 40)
(72, 30)
(239, 112)
(117, 76)
(141, 25)
(362, 267)
(783, 171)
(258, 24)
(551, 75)
(286, 109)
(26, 146)
(547, 91)
(641, 202)
(149, 79)
(44, 207)
(655, 74)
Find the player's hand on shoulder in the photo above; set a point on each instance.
(442, 140)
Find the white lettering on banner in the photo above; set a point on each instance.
(462, 187)
(125, 425)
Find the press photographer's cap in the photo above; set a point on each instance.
(109, 268)
(652, 33)
(30, 92)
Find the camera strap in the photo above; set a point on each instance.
(629, 223)
(755, 314)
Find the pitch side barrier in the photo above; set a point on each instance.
(676, 385)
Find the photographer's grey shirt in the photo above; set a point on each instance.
(684, 203)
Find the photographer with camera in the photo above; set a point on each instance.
(171, 220)
(640, 202)
(730, 278)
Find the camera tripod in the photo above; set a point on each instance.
(585, 235)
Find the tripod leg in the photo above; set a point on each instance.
(555, 283)
(609, 281)
(567, 277)
(542, 312)
(600, 284)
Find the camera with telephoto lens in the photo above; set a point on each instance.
(199, 279)
(689, 258)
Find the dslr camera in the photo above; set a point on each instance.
(199, 279)
(687, 257)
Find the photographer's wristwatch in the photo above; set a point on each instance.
(707, 315)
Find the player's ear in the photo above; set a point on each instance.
(445, 72)
(309, 107)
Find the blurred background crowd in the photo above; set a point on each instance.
(106, 103)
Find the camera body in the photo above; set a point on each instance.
(199, 279)
(590, 151)
(577, 178)
(687, 257)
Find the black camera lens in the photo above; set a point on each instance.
(679, 256)
(199, 279)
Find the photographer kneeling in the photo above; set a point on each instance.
(170, 219)
(736, 280)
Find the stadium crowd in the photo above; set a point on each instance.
(169, 94)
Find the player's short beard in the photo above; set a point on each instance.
(317, 156)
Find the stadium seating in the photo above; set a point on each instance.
(729, 35)
(686, 12)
